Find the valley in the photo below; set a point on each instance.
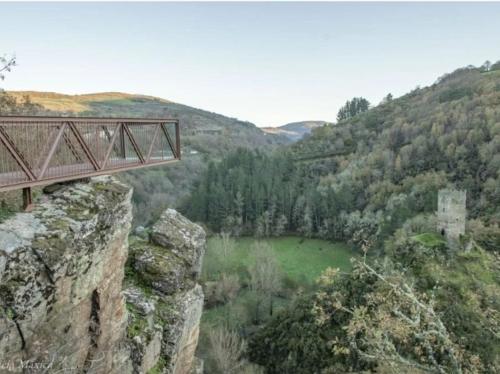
(325, 249)
(329, 202)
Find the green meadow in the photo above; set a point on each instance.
(300, 262)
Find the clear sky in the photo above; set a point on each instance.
(268, 63)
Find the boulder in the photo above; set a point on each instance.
(183, 237)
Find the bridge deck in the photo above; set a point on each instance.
(41, 150)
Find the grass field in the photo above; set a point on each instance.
(301, 261)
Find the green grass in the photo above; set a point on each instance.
(300, 259)
(430, 240)
(5, 213)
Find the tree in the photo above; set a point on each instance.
(486, 66)
(227, 244)
(263, 225)
(222, 291)
(280, 225)
(6, 64)
(227, 349)
(495, 66)
(222, 247)
(387, 99)
(265, 276)
(307, 223)
(399, 326)
(9, 105)
(352, 108)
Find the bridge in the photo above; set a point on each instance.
(37, 151)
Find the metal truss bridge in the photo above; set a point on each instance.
(38, 151)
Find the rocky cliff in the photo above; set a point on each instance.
(75, 297)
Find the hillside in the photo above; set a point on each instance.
(205, 135)
(362, 179)
(296, 130)
(414, 303)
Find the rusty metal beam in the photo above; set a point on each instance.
(14, 152)
(134, 144)
(84, 146)
(153, 140)
(178, 139)
(27, 199)
(169, 140)
(111, 145)
(51, 151)
(106, 132)
(46, 148)
(41, 119)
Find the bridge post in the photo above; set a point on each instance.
(122, 142)
(27, 199)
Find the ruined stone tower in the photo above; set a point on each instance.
(451, 215)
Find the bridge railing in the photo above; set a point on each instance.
(42, 150)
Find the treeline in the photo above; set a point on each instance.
(254, 193)
(381, 168)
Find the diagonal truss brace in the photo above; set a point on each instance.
(137, 150)
(4, 138)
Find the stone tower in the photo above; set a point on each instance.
(451, 215)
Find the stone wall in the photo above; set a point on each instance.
(62, 271)
(451, 215)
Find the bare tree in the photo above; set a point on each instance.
(227, 244)
(218, 263)
(227, 350)
(6, 64)
(265, 275)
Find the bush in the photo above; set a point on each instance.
(487, 237)
(221, 291)
(455, 94)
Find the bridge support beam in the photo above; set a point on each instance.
(27, 199)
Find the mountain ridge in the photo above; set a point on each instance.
(295, 131)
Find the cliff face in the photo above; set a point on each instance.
(62, 287)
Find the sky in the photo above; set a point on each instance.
(267, 63)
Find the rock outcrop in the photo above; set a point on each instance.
(64, 274)
(163, 297)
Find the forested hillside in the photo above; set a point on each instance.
(411, 303)
(365, 177)
(205, 136)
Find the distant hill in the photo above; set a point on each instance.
(296, 130)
